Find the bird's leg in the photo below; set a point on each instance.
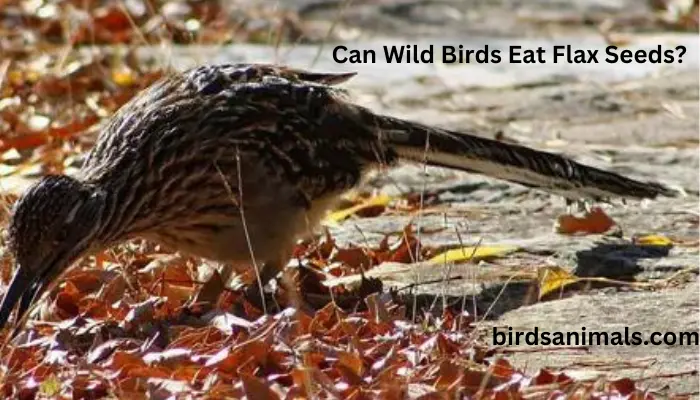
(577, 206)
(225, 273)
(254, 292)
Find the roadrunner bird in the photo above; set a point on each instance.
(233, 162)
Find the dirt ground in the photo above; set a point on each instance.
(623, 127)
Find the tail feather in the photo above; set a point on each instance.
(325, 78)
(529, 167)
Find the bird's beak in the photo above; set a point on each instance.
(20, 288)
(26, 286)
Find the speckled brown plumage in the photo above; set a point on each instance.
(218, 158)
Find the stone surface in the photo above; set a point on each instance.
(672, 310)
(511, 18)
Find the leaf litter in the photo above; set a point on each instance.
(149, 341)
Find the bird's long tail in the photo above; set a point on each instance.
(529, 167)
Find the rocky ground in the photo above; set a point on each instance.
(625, 126)
(501, 18)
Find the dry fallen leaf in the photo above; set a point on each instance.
(257, 389)
(377, 202)
(551, 279)
(211, 290)
(653, 240)
(594, 222)
(472, 253)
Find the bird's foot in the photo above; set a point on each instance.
(255, 295)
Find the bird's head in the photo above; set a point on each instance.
(54, 222)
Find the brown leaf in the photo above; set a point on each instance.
(112, 18)
(323, 381)
(124, 362)
(256, 389)
(176, 295)
(475, 380)
(66, 303)
(545, 377)
(315, 359)
(434, 396)
(324, 319)
(244, 356)
(196, 338)
(320, 250)
(352, 361)
(625, 386)
(440, 344)
(38, 139)
(358, 258)
(303, 382)
(389, 375)
(106, 349)
(406, 250)
(211, 290)
(502, 369)
(394, 391)
(387, 352)
(142, 312)
(149, 372)
(114, 290)
(449, 375)
(594, 222)
(168, 268)
(22, 358)
(88, 281)
(170, 358)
